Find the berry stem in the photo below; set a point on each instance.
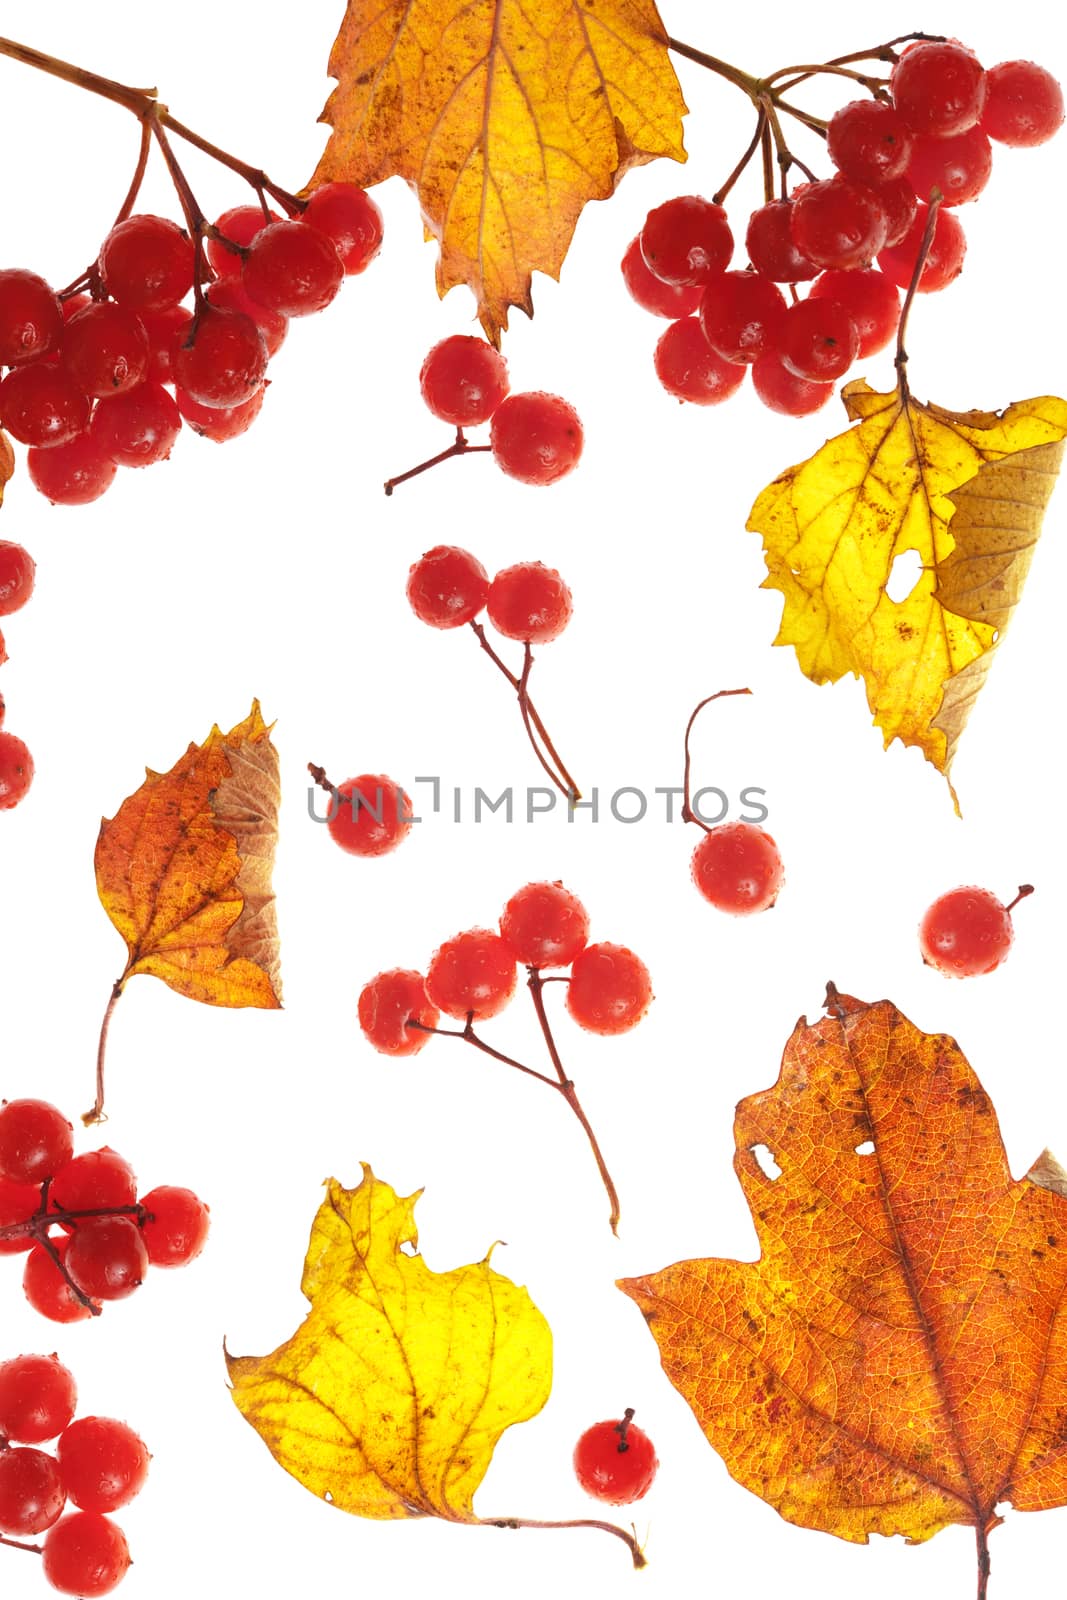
(319, 775)
(468, 1035)
(901, 358)
(1025, 889)
(37, 1228)
(567, 786)
(138, 172)
(882, 52)
(784, 155)
(754, 143)
(722, 69)
(561, 782)
(833, 68)
(688, 814)
(97, 1113)
(15, 1544)
(460, 446)
(623, 1427)
(628, 1539)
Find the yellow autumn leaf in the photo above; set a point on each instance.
(506, 117)
(391, 1396)
(967, 492)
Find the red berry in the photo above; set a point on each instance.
(139, 428)
(770, 246)
(938, 88)
(959, 167)
(41, 404)
(781, 390)
(18, 1203)
(529, 601)
(447, 587)
(689, 369)
(239, 225)
(107, 1257)
(16, 773)
(17, 569)
(837, 223)
(31, 1492)
(536, 437)
(944, 261)
(1023, 104)
(609, 990)
(31, 320)
(615, 1462)
(46, 1288)
(544, 925)
(37, 1398)
(966, 932)
(463, 380)
(223, 360)
(177, 1226)
(898, 200)
(371, 817)
(473, 974)
(868, 142)
(35, 1141)
(349, 218)
(146, 263)
(741, 315)
(738, 868)
(230, 294)
(388, 1003)
(85, 1555)
(71, 474)
(687, 240)
(102, 1462)
(105, 349)
(220, 423)
(98, 1180)
(872, 303)
(650, 292)
(166, 330)
(293, 268)
(818, 340)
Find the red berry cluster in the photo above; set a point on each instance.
(90, 373)
(856, 237)
(968, 931)
(16, 585)
(99, 1465)
(89, 1236)
(615, 1461)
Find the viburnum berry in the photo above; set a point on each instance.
(35, 1141)
(944, 260)
(370, 815)
(176, 1228)
(651, 293)
(31, 1492)
(473, 974)
(103, 1463)
(31, 319)
(349, 218)
(71, 474)
(738, 868)
(17, 570)
(240, 225)
(818, 340)
(529, 602)
(220, 423)
(785, 392)
(230, 294)
(292, 268)
(105, 349)
(938, 87)
(96, 1180)
(85, 1554)
(47, 1290)
(166, 330)
(899, 201)
(463, 380)
(223, 360)
(609, 990)
(107, 1257)
(871, 300)
(388, 1003)
(544, 925)
(689, 369)
(18, 1203)
(741, 315)
(959, 167)
(447, 587)
(837, 223)
(771, 248)
(41, 404)
(16, 770)
(139, 428)
(1023, 104)
(967, 931)
(615, 1461)
(868, 142)
(146, 263)
(38, 1396)
(687, 240)
(536, 437)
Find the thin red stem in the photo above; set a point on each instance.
(97, 1113)
(139, 171)
(527, 722)
(460, 446)
(688, 814)
(468, 1035)
(628, 1539)
(901, 360)
(16, 1544)
(753, 145)
(1025, 889)
(982, 1550)
(568, 785)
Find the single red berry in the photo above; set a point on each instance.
(230, 294)
(47, 1290)
(31, 319)
(166, 330)
(71, 474)
(536, 437)
(349, 218)
(530, 602)
(944, 261)
(782, 391)
(938, 87)
(31, 1492)
(615, 1461)
(966, 932)
(105, 349)
(17, 569)
(177, 1226)
(544, 925)
(16, 772)
(388, 1003)
(738, 868)
(240, 225)
(107, 1257)
(41, 404)
(868, 142)
(473, 974)
(609, 990)
(85, 1555)
(871, 300)
(38, 1397)
(146, 263)
(137, 429)
(741, 315)
(18, 1203)
(35, 1141)
(447, 587)
(463, 380)
(224, 359)
(292, 268)
(899, 201)
(370, 816)
(1023, 104)
(687, 240)
(837, 223)
(689, 369)
(651, 293)
(220, 423)
(97, 1180)
(959, 167)
(818, 340)
(770, 245)
(102, 1462)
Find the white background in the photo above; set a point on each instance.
(274, 566)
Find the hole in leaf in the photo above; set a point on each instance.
(328, 1497)
(905, 573)
(866, 1148)
(408, 1249)
(767, 1164)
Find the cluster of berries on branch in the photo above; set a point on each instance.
(87, 1235)
(473, 977)
(17, 571)
(99, 1466)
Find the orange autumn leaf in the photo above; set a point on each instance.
(7, 462)
(505, 118)
(896, 1359)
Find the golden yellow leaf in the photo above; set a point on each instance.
(967, 493)
(506, 117)
(391, 1396)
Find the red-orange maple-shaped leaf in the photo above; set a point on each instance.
(896, 1360)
